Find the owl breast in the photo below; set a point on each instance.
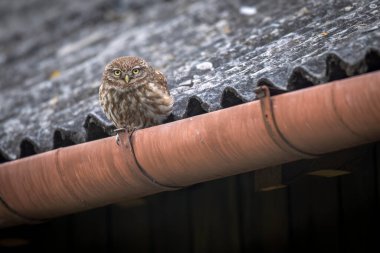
(145, 106)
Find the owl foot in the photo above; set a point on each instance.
(129, 131)
(117, 131)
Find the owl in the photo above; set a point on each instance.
(133, 94)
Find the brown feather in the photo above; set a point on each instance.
(142, 102)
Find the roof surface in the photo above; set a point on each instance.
(213, 52)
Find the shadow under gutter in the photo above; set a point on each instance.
(255, 135)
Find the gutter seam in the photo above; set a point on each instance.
(17, 214)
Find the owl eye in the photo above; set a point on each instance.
(135, 71)
(117, 72)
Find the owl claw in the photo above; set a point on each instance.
(129, 131)
(117, 135)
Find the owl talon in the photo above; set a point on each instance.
(129, 131)
(117, 134)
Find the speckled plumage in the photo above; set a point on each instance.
(134, 100)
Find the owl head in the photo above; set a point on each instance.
(127, 72)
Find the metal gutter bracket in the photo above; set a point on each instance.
(263, 93)
(126, 141)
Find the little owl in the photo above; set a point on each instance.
(133, 95)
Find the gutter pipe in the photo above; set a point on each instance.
(267, 132)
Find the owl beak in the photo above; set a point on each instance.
(126, 78)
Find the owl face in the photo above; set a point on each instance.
(126, 72)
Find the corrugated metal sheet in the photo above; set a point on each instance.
(213, 52)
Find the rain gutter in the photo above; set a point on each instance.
(270, 131)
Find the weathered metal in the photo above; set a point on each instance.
(213, 55)
(314, 121)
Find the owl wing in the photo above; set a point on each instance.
(161, 81)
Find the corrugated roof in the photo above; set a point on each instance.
(213, 52)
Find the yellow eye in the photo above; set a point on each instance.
(135, 71)
(117, 72)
